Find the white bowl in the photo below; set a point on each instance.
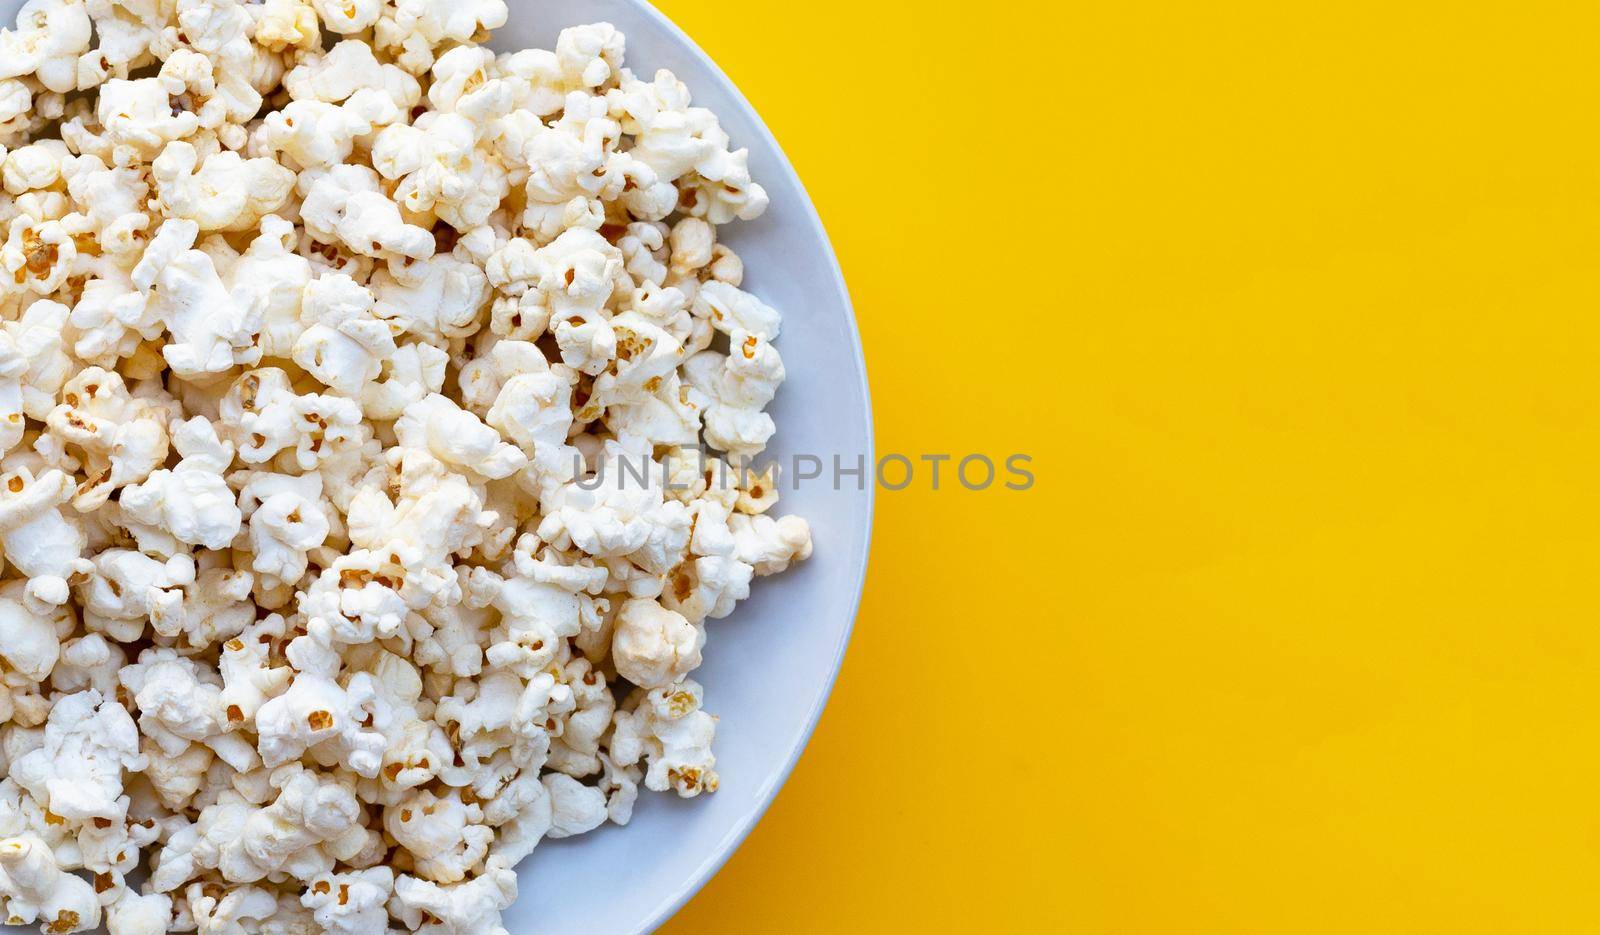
(770, 666)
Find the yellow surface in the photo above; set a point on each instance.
(1295, 306)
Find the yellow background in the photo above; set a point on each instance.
(1295, 307)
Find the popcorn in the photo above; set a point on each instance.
(347, 16)
(180, 702)
(314, 712)
(192, 502)
(285, 24)
(457, 438)
(286, 521)
(37, 256)
(49, 37)
(266, 419)
(445, 834)
(36, 888)
(125, 586)
(77, 773)
(227, 911)
(667, 729)
(469, 908)
(770, 545)
(312, 820)
(36, 336)
(733, 389)
(345, 205)
(412, 373)
(224, 193)
(437, 300)
(133, 914)
(412, 29)
(654, 647)
(121, 439)
(16, 106)
(345, 69)
(209, 333)
(320, 135)
(440, 169)
(351, 903)
(39, 541)
(138, 119)
(358, 525)
(30, 643)
(269, 280)
(567, 283)
(623, 513)
(343, 344)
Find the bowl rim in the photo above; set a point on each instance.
(813, 221)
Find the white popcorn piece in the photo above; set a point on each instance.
(344, 344)
(347, 17)
(351, 903)
(446, 835)
(177, 779)
(218, 911)
(266, 419)
(214, 607)
(440, 170)
(469, 908)
(37, 337)
(192, 502)
(209, 333)
(412, 373)
(436, 300)
(532, 406)
(126, 586)
(135, 914)
(121, 438)
(668, 730)
(458, 438)
(770, 545)
(620, 512)
(138, 119)
(286, 24)
(30, 642)
(37, 257)
(48, 38)
(345, 205)
(576, 752)
(38, 540)
(16, 105)
(320, 135)
(733, 390)
(654, 647)
(36, 888)
(314, 712)
(410, 30)
(252, 669)
(345, 69)
(225, 192)
(286, 520)
(313, 819)
(267, 283)
(180, 703)
(13, 370)
(35, 166)
(566, 283)
(77, 772)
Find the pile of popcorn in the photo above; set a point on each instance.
(327, 337)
